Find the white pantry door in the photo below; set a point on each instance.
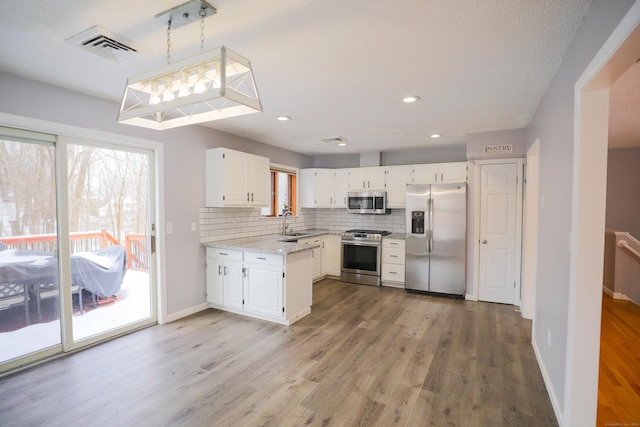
(498, 229)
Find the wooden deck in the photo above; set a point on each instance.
(364, 356)
(619, 376)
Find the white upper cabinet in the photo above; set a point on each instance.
(316, 188)
(341, 186)
(397, 178)
(439, 172)
(453, 172)
(234, 178)
(424, 174)
(368, 178)
(259, 180)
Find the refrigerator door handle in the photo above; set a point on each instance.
(431, 203)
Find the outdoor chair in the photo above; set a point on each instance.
(51, 290)
(14, 294)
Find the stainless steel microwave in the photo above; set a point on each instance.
(367, 202)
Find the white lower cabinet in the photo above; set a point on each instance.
(224, 277)
(331, 255)
(393, 262)
(264, 290)
(267, 286)
(263, 284)
(233, 288)
(326, 258)
(316, 254)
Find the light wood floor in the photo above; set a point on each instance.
(619, 376)
(364, 356)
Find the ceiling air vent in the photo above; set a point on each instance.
(337, 140)
(104, 43)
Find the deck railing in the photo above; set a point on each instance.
(137, 251)
(86, 241)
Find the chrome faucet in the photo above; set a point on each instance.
(284, 221)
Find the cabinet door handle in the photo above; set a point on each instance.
(244, 272)
(392, 272)
(441, 176)
(393, 244)
(225, 270)
(393, 256)
(247, 197)
(261, 257)
(435, 176)
(252, 197)
(219, 270)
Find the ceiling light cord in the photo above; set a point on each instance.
(169, 42)
(203, 14)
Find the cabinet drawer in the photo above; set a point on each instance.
(230, 254)
(392, 273)
(393, 243)
(393, 256)
(260, 258)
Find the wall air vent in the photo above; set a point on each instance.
(104, 43)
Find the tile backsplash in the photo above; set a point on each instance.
(339, 220)
(232, 223)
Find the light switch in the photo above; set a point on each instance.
(194, 226)
(169, 227)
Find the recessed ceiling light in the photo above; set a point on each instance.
(410, 99)
(283, 118)
(342, 143)
(435, 135)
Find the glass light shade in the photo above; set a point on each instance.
(210, 86)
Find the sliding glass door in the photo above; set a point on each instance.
(110, 230)
(76, 250)
(29, 283)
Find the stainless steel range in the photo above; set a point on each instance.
(361, 253)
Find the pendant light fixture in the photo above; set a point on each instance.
(213, 85)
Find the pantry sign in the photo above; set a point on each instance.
(498, 149)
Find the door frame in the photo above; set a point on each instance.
(75, 132)
(530, 230)
(476, 226)
(590, 144)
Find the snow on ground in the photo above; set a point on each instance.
(134, 304)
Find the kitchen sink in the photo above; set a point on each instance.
(296, 234)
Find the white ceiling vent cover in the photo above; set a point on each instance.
(104, 43)
(337, 140)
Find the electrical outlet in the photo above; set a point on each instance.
(548, 337)
(194, 226)
(169, 227)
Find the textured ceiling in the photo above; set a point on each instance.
(338, 68)
(624, 110)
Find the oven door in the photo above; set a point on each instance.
(361, 258)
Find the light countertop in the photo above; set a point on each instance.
(271, 244)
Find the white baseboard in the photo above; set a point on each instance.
(618, 295)
(547, 382)
(607, 291)
(471, 297)
(187, 312)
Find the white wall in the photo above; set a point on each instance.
(477, 140)
(623, 194)
(184, 169)
(553, 124)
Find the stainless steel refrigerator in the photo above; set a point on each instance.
(436, 230)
